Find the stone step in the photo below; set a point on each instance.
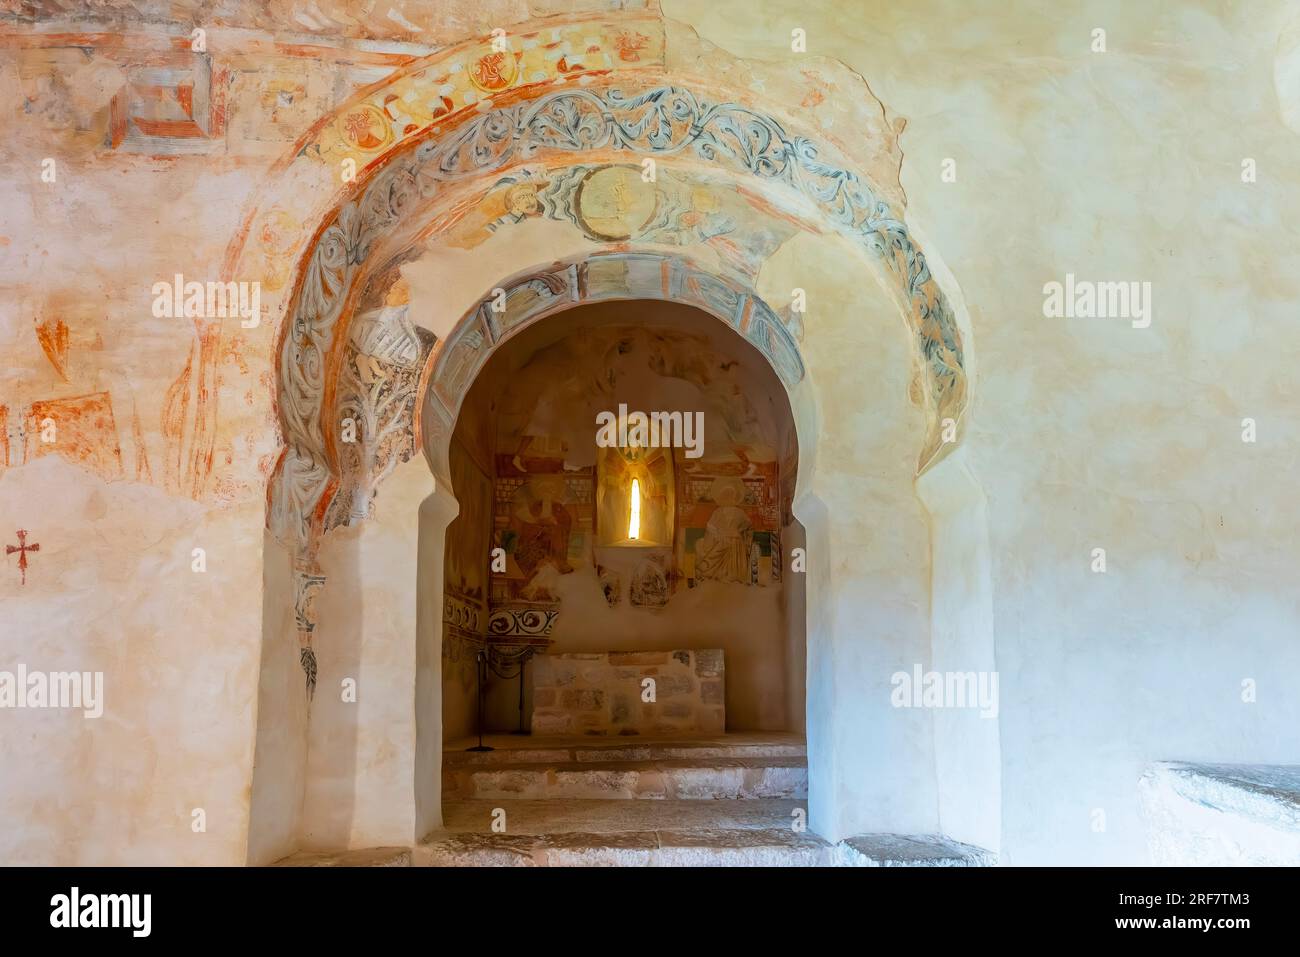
(690, 779)
(594, 833)
(668, 833)
(725, 848)
(614, 817)
(543, 750)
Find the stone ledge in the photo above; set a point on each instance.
(716, 848)
(364, 857)
(1222, 814)
(590, 749)
(707, 779)
(906, 850)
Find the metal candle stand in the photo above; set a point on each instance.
(504, 664)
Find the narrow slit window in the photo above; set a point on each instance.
(634, 517)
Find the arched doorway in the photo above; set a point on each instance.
(535, 208)
(649, 583)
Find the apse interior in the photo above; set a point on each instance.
(570, 543)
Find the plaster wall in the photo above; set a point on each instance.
(113, 591)
(1090, 433)
(361, 765)
(871, 765)
(1123, 165)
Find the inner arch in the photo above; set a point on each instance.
(532, 478)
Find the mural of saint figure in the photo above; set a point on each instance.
(722, 552)
(541, 525)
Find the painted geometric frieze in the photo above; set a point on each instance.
(170, 108)
(522, 622)
(526, 298)
(462, 614)
(469, 75)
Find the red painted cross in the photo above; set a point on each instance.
(22, 548)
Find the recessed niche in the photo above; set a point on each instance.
(634, 497)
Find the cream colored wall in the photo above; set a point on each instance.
(112, 590)
(435, 514)
(280, 755)
(361, 764)
(868, 580)
(1090, 433)
(1083, 434)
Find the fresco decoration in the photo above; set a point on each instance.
(52, 334)
(659, 121)
(612, 275)
(81, 428)
(307, 582)
(728, 523)
(462, 637)
(298, 485)
(543, 521)
(774, 339)
(467, 616)
(173, 105)
(21, 550)
(611, 585)
(522, 622)
(307, 658)
(650, 578)
(614, 203)
(546, 526)
(556, 515)
(189, 412)
(461, 79)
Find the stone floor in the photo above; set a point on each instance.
(613, 832)
(366, 857)
(735, 800)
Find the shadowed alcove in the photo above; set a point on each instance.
(624, 473)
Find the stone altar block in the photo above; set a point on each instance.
(602, 694)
